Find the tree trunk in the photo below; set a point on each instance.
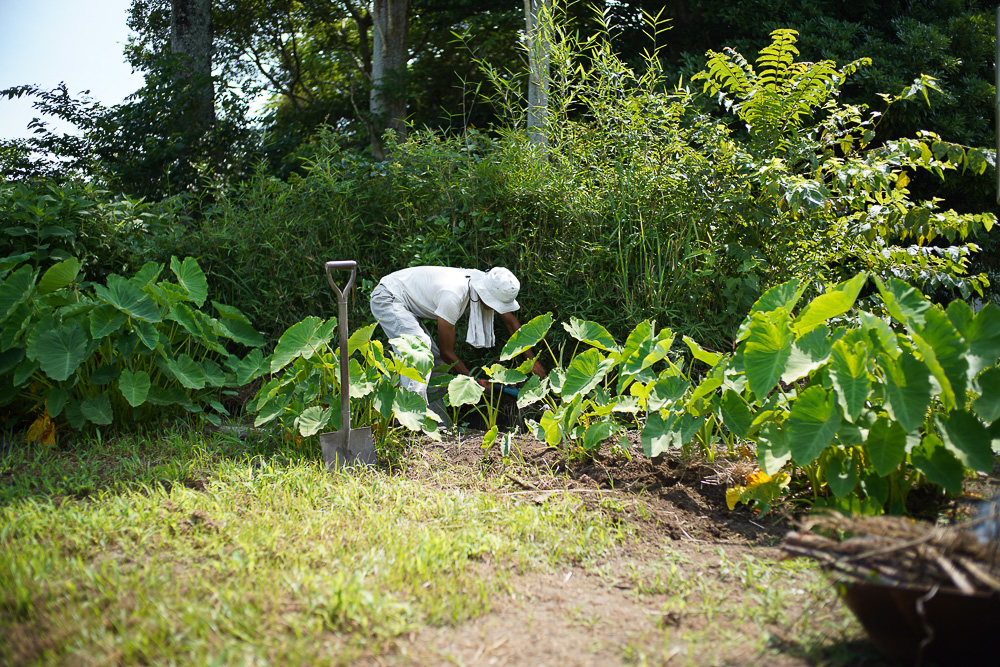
(191, 37)
(390, 51)
(537, 37)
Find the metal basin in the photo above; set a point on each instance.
(920, 625)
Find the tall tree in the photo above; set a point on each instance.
(191, 38)
(390, 53)
(537, 38)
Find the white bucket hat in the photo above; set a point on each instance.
(498, 289)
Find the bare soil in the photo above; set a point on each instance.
(627, 609)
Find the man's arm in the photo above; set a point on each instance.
(510, 321)
(446, 343)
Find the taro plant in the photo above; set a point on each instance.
(863, 405)
(583, 401)
(129, 350)
(303, 392)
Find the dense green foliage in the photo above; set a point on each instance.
(133, 350)
(675, 206)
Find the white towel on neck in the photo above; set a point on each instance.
(480, 332)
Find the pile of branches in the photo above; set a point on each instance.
(897, 550)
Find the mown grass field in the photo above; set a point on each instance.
(180, 548)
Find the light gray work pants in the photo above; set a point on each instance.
(396, 319)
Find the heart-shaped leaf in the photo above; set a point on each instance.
(527, 336)
(134, 386)
(191, 278)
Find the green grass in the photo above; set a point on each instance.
(193, 550)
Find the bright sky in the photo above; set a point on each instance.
(44, 42)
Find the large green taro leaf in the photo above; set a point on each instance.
(812, 424)
(584, 373)
(59, 352)
(767, 350)
(966, 438)
(302, 340)
(886, 445)
(780, 297)
(809, 352)
(187, 371)
(833, 303)
(15, 290)
(736, 414)
(134, 386)
(105, 320)
(59, 275)
(988, 404)
(527, 336)
(904, 303)
(97, 409)
(981, 332)
(907, 389)
(236, 325)
(129, 299)
(850, 377)
(592, 334)
(939, 464)
(191, 278)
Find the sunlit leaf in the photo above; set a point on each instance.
(596, 434)
(464, 390)
(409, 408)
(833, 303)
(585, 372)
(988, 404)
(302, 339)
(767, 350)
(313, 420)
(850, 377)
(527, 336)
(902, 301)
(701, 354)
(773, 448)
(592, 334)
(808, 353)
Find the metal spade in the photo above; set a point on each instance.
(345, 447)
